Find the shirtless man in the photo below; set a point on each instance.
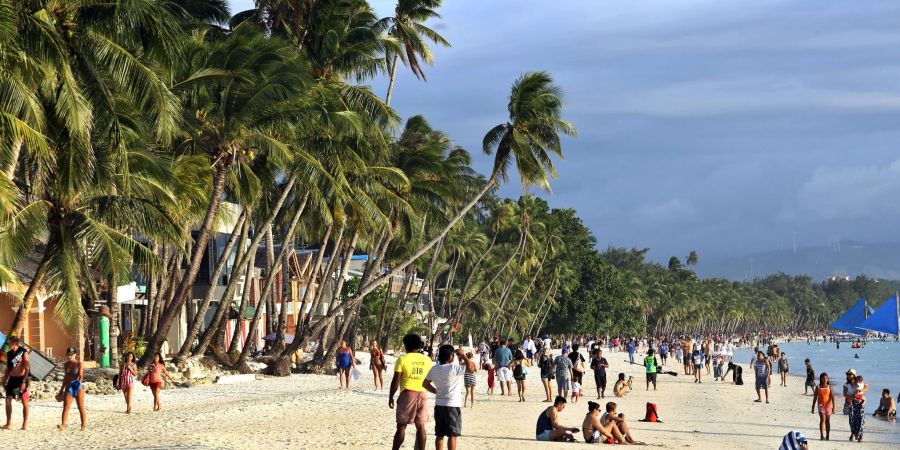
(17, 370)
(595, 432)
(548, 427)
(611, 418)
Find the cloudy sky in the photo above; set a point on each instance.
(720, 126)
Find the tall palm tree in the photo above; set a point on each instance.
(407, 25)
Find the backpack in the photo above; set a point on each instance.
(651, 414)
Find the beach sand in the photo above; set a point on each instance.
(309, 412)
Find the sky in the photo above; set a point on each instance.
(725, 127)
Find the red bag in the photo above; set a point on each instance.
(652, 415)
(146, 380)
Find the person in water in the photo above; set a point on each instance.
(72, 389)
(548, 427)
(823, 397)
(345, 363)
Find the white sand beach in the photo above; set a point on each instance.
(308, 412)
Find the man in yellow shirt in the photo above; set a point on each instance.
(412, 404)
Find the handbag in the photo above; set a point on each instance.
(146, 380)
(579, 366)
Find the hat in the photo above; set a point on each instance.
(71, 351)
(851, 372)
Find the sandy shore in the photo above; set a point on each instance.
(307, 411)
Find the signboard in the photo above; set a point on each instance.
(40, 364)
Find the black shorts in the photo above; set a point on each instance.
(651, 377)
(447, 421)
(687, 360)
(13, 388)
(600, 379)
(762, 382)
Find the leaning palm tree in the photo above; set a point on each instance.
(406, 25)
(528, 140)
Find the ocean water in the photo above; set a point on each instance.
(878, 363)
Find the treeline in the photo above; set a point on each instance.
(633, 295)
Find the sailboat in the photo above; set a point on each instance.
(886, 319)
(854, 316)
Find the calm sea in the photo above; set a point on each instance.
(878, 363)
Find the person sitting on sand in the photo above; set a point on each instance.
(611, 418)
(548, 427)
(621, 387)
(15, 380)
(73, 376)
(886, 407)
(595, 432)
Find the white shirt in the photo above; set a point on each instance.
(528, 344)
(448, 382)
(547, 343)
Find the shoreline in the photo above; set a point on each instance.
(309, 411)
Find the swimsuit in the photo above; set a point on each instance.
(343, 360)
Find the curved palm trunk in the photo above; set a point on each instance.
(393, 77)
(245, 295)
(194, 328)
(15, 150)
(270, 282)
(384, 308)
(246, 258)
(451, 275)
(285, 292)
(338, 286)
(199, 248)
(18, 325)
(313, 277)
(541, 308)
(378, 281)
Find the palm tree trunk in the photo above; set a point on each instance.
(384, 308)
(393, 77)
(114, 309)
(313, 277)
(270, 282)
(214, 281)
(246, 258)
(451, 275)
(15, 150)
(18, 325)
(285, 289)
(378, 281)
(245, 295)
(538, 312)
(199, 249)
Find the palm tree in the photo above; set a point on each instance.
(407, 26)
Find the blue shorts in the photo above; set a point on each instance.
(545, 436)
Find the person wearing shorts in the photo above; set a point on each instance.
(763, 369)
(563, 374)
(502, 361)
(15, 380)
(650, 366)
(412, 403)
(445, 381)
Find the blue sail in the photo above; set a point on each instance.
(885, 319)
(851, 319)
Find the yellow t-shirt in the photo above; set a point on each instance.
(414, 367)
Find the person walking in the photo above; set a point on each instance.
(126, 378)
(563, 374)
(520, 371)
(547, 368)
(412, 404)
(650, 366)
(72, 390)
(599, 364)
(630, 348)
(18, 367)
(783, 368)
(155, 377)
(377, 364)
(502, 361)
(823, 397)
(470, 380)
(345, 362)
(810, 377)
(763, 370)
(530, 349)
(446, 380)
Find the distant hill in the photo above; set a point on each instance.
(848, 258)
